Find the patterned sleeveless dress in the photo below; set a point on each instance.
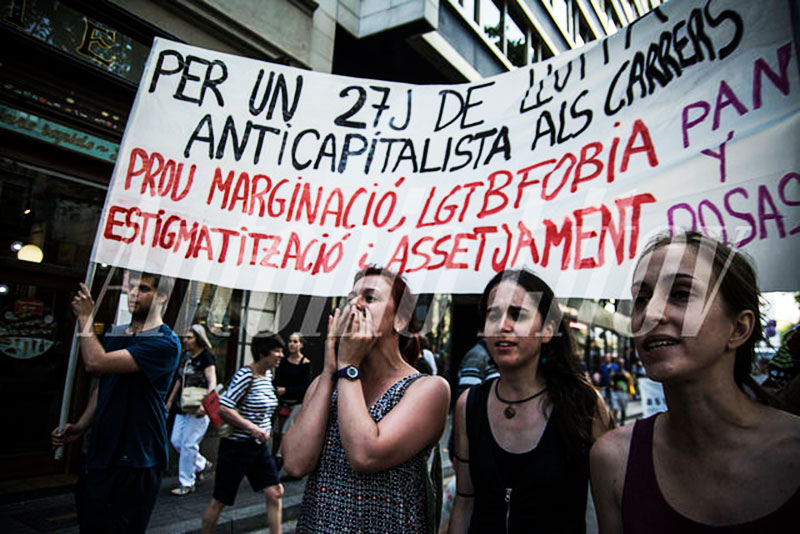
(337, 499)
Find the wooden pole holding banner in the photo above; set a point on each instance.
(72, 364)
(74, 348)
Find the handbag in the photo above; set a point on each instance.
(284, 410)
(192, 396)
(211, 405)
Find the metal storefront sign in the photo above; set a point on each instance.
(73, 33)
(57, 134)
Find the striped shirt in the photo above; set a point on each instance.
(256, 406)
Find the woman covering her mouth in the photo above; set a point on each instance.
(523, 440)
(369, 421)
(717, 459)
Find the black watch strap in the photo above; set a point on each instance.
(350, 372)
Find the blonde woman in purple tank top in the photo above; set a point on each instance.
(720, 459)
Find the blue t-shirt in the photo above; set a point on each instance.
(129, 428)
(606, 369)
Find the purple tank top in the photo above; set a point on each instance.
(645, 510)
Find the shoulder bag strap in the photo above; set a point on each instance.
(434, 490)
(247, 389)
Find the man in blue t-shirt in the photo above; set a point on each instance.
(607, 368)
(128, 446)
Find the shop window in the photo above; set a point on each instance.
(35, 335)
(48, 212)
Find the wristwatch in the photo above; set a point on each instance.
(350, 372)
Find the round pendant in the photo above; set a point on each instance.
(509, 412)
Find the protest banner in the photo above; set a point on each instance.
(259, 176)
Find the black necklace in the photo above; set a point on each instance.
(510, 412)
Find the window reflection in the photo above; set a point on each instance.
(56, 213)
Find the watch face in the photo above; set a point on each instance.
(352, 372)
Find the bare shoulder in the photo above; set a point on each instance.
(775, 452)
(610, 451)
(785, 427)
(430, 387)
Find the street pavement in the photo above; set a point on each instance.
(55, 514)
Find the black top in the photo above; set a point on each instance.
(295, 377)
(547, 486)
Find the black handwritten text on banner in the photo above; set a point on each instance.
(253, 175)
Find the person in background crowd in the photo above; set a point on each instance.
(717, 460)
(637, 372)
(585, 371)
(189, 427)
(128, 446)
(369, 420)
(784, 367)
(427, 355)
(476, 367)
(620, 384)
(439, 358)
(606, 369)
(423, 364)
(291, 382)
(247, 404)
(523, 440)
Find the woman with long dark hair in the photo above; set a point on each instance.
(369, 420)
(523, 439)
(718, 460)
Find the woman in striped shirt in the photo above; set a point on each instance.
(247, 405)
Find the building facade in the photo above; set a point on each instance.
(69, 71)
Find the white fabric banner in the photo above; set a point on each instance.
(253, 175)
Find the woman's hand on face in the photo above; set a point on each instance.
(358, 336)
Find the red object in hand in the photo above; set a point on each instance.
(211, 406)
